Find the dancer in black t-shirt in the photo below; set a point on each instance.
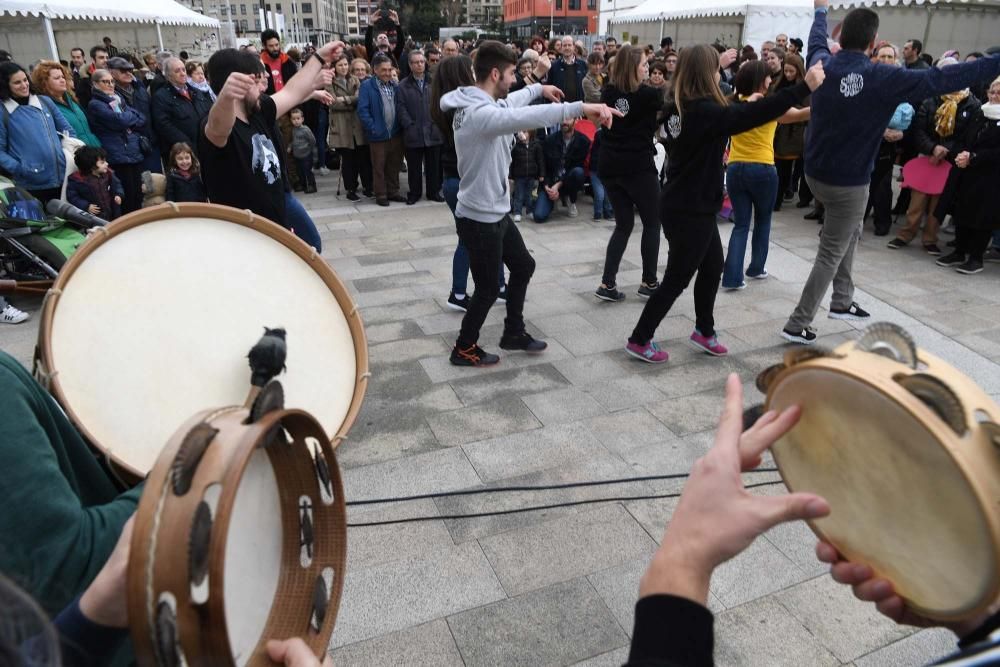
(241, 150)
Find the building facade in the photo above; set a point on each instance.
(353, 26)
(523, 18)
(484, 13)
(298, 21)
(612, 9)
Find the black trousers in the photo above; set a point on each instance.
(880, 193)
(131, 177)
(799, 178)
(306, 176)
(356, 163)
(430, 158)
(972, 242)
(785, 170)
(695, 247)
(627, 193)
(488, 243)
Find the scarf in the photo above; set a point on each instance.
(127, 94)
(991, 111)
(203, 87)
(944, 117)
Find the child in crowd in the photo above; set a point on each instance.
(95, 188)
(303, 149)
(184, 175)
(527, 170)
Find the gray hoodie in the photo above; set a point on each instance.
(483, 128)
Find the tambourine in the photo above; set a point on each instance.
(240, 537)
(906, 449)
(149, 321)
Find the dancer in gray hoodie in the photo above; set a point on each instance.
(485, 119)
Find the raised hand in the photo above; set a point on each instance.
(330, 51)
(237, 86)
(727, 58)
(815, 76)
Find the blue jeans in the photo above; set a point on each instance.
(321, 129)
(297, 220)
(572, 183)
(602, 205)
(752, 190)
(460, 262)
(524, 189)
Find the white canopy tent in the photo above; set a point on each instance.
(966, 25)
(22, 22)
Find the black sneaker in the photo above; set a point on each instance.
(804, 337)
(609, 294)
(853, 312)
(970, 267)
(522, 341)
(502, 296)
(932, 249)
(646, 290)
(472, 356)
(992, 255)
(458, 304)
(951, 259)
(896, 243)
(353, 196)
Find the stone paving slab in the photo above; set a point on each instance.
(462, 591)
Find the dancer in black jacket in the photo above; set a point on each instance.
(698, 121)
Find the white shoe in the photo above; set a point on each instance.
(572, 210)
(324, 171)
(517, 218)
(12, 315)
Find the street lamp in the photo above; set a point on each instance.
(552, 9)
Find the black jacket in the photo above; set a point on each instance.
(527, 160)
(925, 137)
(413, 108)
(185, 189)
(969, 192)
(561, 71)
(558, 161)
(176, 119)
(697, 139)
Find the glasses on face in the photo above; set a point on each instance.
(103, 82)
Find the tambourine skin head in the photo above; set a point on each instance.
(908, 496)
(217, 601)
(170, 299)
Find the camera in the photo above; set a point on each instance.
(384, 23)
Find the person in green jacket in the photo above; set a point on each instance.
(52, 79)
(62, 512)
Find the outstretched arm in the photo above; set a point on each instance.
(819, 48)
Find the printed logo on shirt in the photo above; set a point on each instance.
(674, 126)
(456, 122)
(851, 84)
(622, 105)
(265, 158)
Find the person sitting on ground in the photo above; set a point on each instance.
(184, 176)
(94, 187)
(565, 155)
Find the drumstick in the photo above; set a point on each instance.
(267, 359)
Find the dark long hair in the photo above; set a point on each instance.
(452, 73)
(750, 78)
(7, 71)
(694, 79)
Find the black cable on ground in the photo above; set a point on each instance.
(474, 515)
(548, 487)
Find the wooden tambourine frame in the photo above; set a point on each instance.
(909, 496)
(178, 559)
(47, 368)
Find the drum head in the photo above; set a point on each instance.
(154, 320)
(899, 500)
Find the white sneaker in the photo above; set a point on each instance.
(12, 315)
(572, 210)
(517, 218)
(324, 171)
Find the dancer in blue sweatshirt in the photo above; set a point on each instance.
(850, 112)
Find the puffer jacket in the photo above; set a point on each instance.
(30, 145)
(117, 130)
(527, 160)
(925, 137)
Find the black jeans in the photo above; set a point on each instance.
(354, 163)
(880, 192)
(306, 176)
(799, 178)
(971, 241)
(130, 176)
(488, 243)
(430, 157)
(695, 246)
(627, 193)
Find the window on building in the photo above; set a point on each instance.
(277, 7)
(574, 4)
(558, 5)
(591, 4)
(267, 8)
(307, 24)
(307, 8)
(243, 25)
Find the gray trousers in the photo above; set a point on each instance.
(845, 210)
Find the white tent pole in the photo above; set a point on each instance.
(159, 35)
(52, 37)
(661, 28)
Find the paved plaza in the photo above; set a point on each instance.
(557, 587)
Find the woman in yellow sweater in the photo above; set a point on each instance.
(752, 180)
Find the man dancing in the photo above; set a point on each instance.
(485, 118)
